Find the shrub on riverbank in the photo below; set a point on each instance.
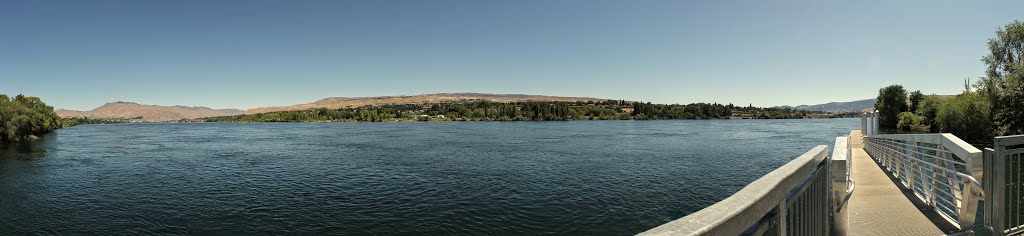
(967, 116)
(928, 108)
(908, 121)
(22, 117)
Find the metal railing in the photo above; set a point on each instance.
(791, 200)
(1004, 203)
(942, 170)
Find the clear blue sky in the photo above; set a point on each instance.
(245, 54)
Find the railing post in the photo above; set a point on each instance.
(876, 123)
(871, 123)
(864, 123)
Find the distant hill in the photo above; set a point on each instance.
(854, 106)
(343, 102)
(148, 112)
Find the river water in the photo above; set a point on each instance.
(407, 178)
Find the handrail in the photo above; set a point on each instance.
(842, 181)
(941, 169)
(765, 203)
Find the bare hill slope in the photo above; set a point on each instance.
(148, 112)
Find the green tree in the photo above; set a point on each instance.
(891, 101)
(928, 109)
(1004, 84)
(915, 100)
(23, 116)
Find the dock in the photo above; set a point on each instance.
(877, 184)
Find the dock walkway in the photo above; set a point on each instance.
(879, 207)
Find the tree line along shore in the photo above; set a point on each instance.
(24, 117)
(524, 111)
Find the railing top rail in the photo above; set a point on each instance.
(738, 212)
(839, 152)
(1009, 140)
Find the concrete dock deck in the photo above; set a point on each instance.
(879, 206)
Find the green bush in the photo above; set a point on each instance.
(928, 109)
(908, 121)
(967, 117)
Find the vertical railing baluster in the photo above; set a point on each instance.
(798, 218)
(987, 186)
(806, 213)
(999, 193)
(1013, 205)
(934, 181)
(915, 166)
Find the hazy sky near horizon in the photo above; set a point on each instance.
(246, 54)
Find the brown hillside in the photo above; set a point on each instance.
(148, 112)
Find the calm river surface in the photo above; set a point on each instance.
(437, 178)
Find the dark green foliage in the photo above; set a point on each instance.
(915, 100)
(73, 121)
(518, 111)
(966, 116)
(23, 116)
(908, 121)
(648, 111)
(891, 101)
(928, 109)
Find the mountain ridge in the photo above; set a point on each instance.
(851, 106)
